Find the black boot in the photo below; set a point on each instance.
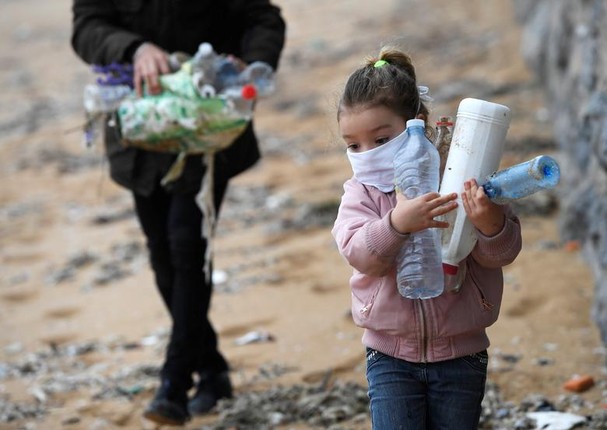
(210, 389)
(169, 406)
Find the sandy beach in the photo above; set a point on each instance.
(82, 329)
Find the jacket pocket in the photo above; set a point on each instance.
(478, 361)
(372, 357)
(363, 300)
(487, 300)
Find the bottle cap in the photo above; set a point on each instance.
(416, 123)
(485, 111)
(450, 269)
(445, 120)
(204, 49)
(249, 92)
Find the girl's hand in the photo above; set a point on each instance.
(485, 215)
(410, 216)
(149, 62)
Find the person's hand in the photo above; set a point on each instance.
(149, 62)
(412, 215)
(486, 216)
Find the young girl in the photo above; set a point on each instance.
(426, 359)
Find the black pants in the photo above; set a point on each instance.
(172, 226)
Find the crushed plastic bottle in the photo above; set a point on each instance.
(225, 73)
(261, 75)
(419, 273)
(522, 180)
(104, 98)
(203, 62)
(113, 84)
(241, 100)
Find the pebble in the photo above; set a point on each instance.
(330, 404)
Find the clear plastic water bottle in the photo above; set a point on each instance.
(241, 100)
(523, 179)
(226, 73)
(104, 99)
(218, 74)
(261, 75)
(416, 172)
(203, 62)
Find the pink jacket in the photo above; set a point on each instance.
(449, 326)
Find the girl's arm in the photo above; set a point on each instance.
(364, 235)
(498, 228)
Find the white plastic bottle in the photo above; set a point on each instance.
(416, 172)
(476, 150)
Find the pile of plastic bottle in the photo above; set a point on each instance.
(205, 103)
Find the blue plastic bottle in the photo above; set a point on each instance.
(416, 172)
(522, 180)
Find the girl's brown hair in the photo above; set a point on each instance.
(392, 84)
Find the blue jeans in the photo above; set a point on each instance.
(445, 395)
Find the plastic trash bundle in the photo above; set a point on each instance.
(203, 107)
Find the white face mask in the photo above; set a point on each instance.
(375, 167)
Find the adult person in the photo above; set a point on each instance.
(144, 33)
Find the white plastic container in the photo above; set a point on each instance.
(475, 152)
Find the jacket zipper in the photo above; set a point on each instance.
(424, 339)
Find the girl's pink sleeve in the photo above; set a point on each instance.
(503, 248)
(364, 236)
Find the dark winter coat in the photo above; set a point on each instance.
(106, 31)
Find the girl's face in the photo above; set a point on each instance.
(368, 128)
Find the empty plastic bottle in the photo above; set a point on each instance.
(523, 179)
(241, 100)
(217, 74)
(416, 172)
(203, 62)
(442, 141)
(476, 150)
(261, 75)
(226, 73)
(104, 99)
